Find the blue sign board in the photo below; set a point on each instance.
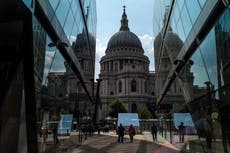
(128, 118)
(182, 117)
(65, 124)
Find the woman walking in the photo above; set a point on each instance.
(132, 132)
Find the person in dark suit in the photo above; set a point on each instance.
(181, 129)
(154, 132)
(121, 133)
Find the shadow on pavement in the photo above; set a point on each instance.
(109, 144)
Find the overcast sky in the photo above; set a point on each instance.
(140, 16)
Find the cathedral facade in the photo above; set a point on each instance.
(124, 71)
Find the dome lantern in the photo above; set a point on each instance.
(124, 37)
(124, 21)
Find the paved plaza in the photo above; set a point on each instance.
(107, 143)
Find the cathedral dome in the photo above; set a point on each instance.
(124, 37)
(172, 40)
(82, 42)
(157, 42)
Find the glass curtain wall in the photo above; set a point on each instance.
(203, 80)
(58, 89)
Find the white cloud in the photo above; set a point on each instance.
(48, 59)
(147, 44)
(49, 56)
(100, 48)
(100, 51)
(72, 39)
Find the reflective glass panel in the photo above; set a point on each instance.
(54, 3)
(193, 9)
(69, 24)
(62, 11)
(180, 4)
(208, 51)
(180, 30)
(201, 2)
(185, 21)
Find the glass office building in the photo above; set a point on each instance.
(192, 53)
(37, 38)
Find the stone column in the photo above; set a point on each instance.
(109, 62)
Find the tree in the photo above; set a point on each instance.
(152, 108)
(144, 113)
(64, 111)
(115, 107)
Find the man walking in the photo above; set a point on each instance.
(181, 128)
(154, 132)
(121, 133)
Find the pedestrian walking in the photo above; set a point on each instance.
(55, 133)
(181, 129)
(121, 133)
(44, 133)
(98, 129)
(132, 132)
(154, 132)
(208, 132)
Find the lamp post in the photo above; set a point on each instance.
(165, 127)
(58, 44)
(76, 110)
(209, 120)
(92, 81)
(96, 102)
(170, 128)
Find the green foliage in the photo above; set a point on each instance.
(64, 111)
(56, 117)
(184, 107)
(152, 109)
(115, 107)
(144, 113)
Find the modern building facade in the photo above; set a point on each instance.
(164, 61)
(199, 64)
(37, 38)
(125, 71)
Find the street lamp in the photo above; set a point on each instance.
(209, 98)
(209, 87)
(170, 127)
(58, 44)
(96, 102)
(177, 61)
